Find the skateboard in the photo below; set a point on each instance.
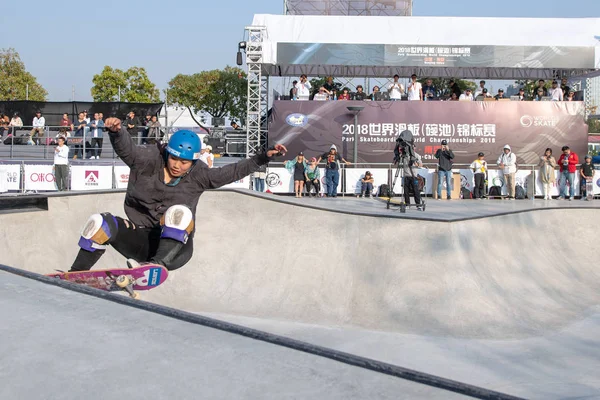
(589, 189)
(129, 280)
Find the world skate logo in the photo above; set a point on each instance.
(92, 178)
(297, 120)
(272, 180)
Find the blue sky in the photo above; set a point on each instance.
(66, 45)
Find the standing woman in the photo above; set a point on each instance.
(297, 168)
(547, 166)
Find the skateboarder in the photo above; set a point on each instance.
(587, 177)
(165, 183)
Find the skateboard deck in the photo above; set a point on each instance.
(144, 277)
(589, 189)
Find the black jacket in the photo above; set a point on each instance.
(445, 158)
(148, 197)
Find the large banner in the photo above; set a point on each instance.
(12, 177)
(469, 127)
(425, 55)
(91, 177)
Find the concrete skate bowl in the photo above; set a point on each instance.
(510, 276)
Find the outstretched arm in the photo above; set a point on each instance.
(121, 141)
(213, 178)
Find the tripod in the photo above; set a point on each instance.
(403, 205)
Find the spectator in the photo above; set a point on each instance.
(508, 164)
(396, 89)
(297, 167)
(329, 85)
(445, 157)
(4, 122)
(132, 123)
(568, 166)
(455, 89)
(96, 126)
(360, 95)
(415, 90)
(85, 116)
(80, 126)
(345, 95)
(206, 156)
(522, 95)
(429, 91)
(61, 164)
(154, 134)
(453, 97)
(374, 94)
(146, 131)
(303, 88)
(480, 169)
(466, 96)
(410, 182)
(39, 124)
(570, 96)
(547, 175)
(556, 93)
(15, 123)
(541, 84)
(322, 95)
(485, 94)
(480, 89)
(366, 187)
(500, 94)
(539, 94)
(234, 125)
(293, 91)
(587, 175)
(564, 87)
(259, 178)
(332, 169)
(313, 178)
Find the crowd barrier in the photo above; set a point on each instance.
(38, 176)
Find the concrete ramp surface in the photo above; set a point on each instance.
(501, 288)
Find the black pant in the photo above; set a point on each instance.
(310, 184)
(141, 244)
(98, 141)
(61, 173)
(411, 185)
(479, 189)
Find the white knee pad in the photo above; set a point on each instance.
(177, 223)
(97, 231)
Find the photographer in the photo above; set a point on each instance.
(445, 155)
(404, 153)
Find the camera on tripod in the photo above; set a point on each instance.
(405, 146)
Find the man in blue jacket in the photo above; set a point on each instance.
(165, 184)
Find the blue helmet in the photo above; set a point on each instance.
(185, 145)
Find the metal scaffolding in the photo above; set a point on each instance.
(394, 8)
(258, 93)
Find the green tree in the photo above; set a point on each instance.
(133, 84)
(442, 85)
(16, 81)
(220, 93)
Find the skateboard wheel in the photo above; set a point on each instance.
(135, 296)
(122, 281)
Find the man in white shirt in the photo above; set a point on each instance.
(39, 123)
(395, 89)
(61, 164)
(556, 93)
(303, 88)
(415, 90)
(480, 89)
(466, 96)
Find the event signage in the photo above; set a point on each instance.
(39, 177)
(91, 177)
(427, 55)
(12, 175)
(469, 127)
(121, 176)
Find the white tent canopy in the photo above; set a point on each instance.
(496, 48)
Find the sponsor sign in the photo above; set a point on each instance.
(469, 127)
(39, 177)
(243, 183)
(353, 177)
(10, 177)
(121, 176)
(91, 177)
